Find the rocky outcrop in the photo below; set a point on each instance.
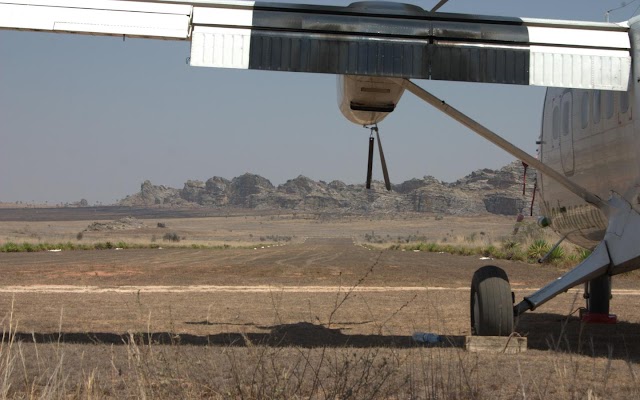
(213, 192)
(250, 190)
(414, 184)
(193, 191)
(150, 195)
(481, 192)
(499, 204)
(216, 191)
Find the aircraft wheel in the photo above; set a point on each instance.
(491, 303)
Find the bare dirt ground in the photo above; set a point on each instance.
(217, 227)
(321, 318)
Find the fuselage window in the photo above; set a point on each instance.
(585, 110)
(556, 123)
(596, 107)
(565, 120)
(624, 102)
(608, 105)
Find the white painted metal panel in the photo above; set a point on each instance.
(578, 37)
(98, 17)
(223, 16)
(142, 6)
(231, 3)
(579, 68)
(220, 47)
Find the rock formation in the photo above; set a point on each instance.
(481, 192)
(150, 195)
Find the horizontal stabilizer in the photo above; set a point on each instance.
(368, 38)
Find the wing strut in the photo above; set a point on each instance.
(440, 4)
(505, 145)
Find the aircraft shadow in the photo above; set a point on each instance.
(303, 334)
(545, 331)
(566, 334)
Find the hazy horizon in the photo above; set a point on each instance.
(274, 183)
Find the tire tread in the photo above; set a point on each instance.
(495, 302)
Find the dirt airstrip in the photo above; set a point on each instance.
(321, 295)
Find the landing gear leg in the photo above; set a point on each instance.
(491, 303)
(598, 295)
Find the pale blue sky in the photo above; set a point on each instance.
(92, 117)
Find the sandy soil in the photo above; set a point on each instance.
(253, 229)
(323, 293)
(318, 271)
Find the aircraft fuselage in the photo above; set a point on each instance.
(592, 137)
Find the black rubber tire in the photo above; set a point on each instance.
(491, 303)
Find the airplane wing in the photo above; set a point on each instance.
(367, 38)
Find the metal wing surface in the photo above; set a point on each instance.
(366, 38)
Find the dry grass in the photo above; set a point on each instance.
(257, 230)
(525, 241)
(288, 346)
(293, 361)
(249, 229)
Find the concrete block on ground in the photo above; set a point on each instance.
(496, 344)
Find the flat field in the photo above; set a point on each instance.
(315, 316)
